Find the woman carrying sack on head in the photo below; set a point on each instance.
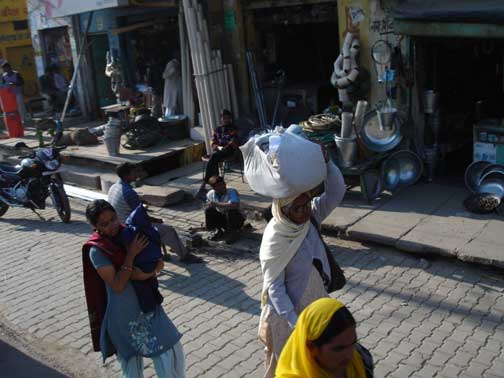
(297, 268)
(118, 325)
(324, 345)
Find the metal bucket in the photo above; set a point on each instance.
(112, 137)
(386, 118)
(347, 151)
(431, 102)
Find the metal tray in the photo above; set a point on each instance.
(377, 139)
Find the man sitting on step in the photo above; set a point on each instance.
(125, 199)
(223, 215)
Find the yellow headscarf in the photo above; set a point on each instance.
(296, 361)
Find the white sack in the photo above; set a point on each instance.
(300, 166)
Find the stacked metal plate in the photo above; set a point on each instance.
(486, 183)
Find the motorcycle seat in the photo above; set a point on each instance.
(4, 168)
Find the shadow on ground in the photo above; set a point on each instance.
(204, 282)
(16, 364)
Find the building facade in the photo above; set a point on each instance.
(16, 44)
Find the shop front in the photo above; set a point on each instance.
(459, 60)
(293, 46)
(141, 39)
(56, 50)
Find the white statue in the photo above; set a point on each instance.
(172, 87)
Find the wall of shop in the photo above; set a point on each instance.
(372, 21)
(41, 20)
(15, 42)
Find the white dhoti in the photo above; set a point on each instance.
(170, 239)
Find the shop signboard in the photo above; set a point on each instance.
(60, 8)
(13, 10)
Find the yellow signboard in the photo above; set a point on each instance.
(16, 47)
(13, 10)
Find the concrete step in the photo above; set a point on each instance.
(101, 180)
(88, 177)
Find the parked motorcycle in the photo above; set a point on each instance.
(36, 177)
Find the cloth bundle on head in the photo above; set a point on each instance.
(296, 359)
(281, 240)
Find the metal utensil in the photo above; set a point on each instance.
(431, 101)
(492, 168)
(473, 173)
(492, 185)
(410, 167)
(347, 151)
(377, 139)
(390, 170)
(492, 174)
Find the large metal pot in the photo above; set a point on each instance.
(112, 136)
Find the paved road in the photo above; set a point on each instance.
(419, 318)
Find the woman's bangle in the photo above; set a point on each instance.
(127, 268)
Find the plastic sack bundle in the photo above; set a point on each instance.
(282, 164)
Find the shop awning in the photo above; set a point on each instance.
(450, 18)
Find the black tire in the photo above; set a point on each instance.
(61, 203)
(3, 208)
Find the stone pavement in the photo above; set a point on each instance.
(424, 218)
(419, 318)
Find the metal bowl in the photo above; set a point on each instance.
(377, 138)
(410, 167)
(491, 169)
(491, 174)
(492, 185)
(390, 174)
(473, 174)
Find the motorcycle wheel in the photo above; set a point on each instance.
(61, 203)
(3, 208)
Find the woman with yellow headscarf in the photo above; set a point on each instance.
(324, 345)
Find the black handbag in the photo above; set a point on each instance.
(337, 279)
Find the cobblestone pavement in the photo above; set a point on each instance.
(418, 318)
